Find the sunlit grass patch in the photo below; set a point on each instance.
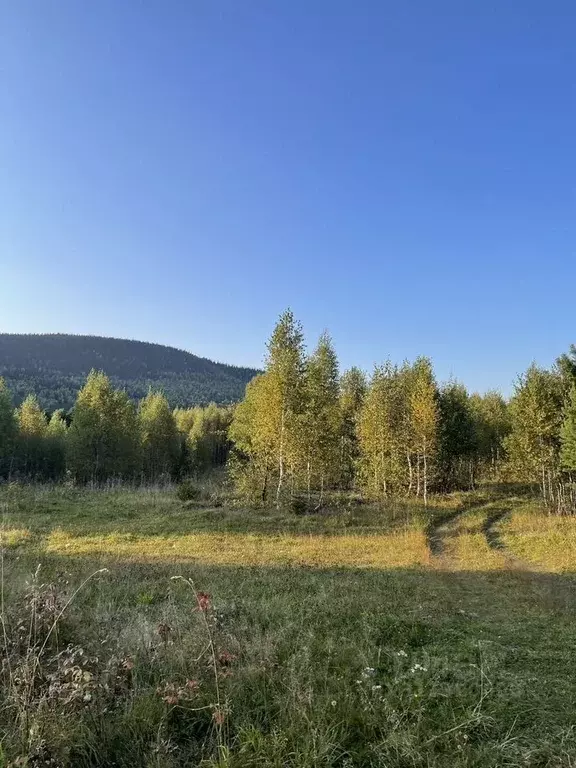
(464, 545)
(546, 542)
(160, 512)
(469, 551)
(337, 640)
(12, 537)
(370, 551)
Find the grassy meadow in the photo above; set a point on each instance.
(140, 630)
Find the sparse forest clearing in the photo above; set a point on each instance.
(287, 385)
(365, 635)
(335, 572)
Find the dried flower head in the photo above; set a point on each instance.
(203, 599)
(164, 630)
(225, 658)
(218, 716)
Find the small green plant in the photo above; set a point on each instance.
(146, 598)
(298, 505)
(188, 491)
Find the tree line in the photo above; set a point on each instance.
(106, 436)
(303, 428)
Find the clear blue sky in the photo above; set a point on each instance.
(401, 173)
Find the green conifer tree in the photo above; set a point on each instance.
(491, 425)
(566, 368)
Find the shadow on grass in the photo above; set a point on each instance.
(438, 645)
(508, 590)
(99, 513)
(490, 531)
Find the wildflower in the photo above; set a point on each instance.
(168, 693)
(218, 716)
(402, 653)
(203, 599)
(333, 703)
(368, 672)
(376, 687)
(226, 658)
(418, 668)
(173, 694)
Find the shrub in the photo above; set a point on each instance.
(188, 491)
(298, 505)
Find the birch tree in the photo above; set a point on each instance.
(320, 429)
(103, 439)
(533, 445)
(568, 433)
(32, 430)
(379, 433)
(424, 418)
(159, 437)
(457, 442)
(254, 433)
(267, 426)
(56, 444)
(285, 367)
(352, 393)
(492, 426)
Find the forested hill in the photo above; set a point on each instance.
(54, 367)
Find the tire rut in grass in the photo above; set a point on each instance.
(493, 537)
(436, 531)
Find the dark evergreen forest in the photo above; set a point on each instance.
(55, 366)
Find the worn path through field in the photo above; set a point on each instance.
(452, 525)
(437, 529)
(492, 533)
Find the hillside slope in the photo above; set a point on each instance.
(54, 367)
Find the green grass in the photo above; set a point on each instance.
(338, 640)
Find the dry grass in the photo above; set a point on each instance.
(371, 551)
(325, 641)
(466, 546)
(12, 537)
(544, 542)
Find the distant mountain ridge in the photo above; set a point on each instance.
(54, 366)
